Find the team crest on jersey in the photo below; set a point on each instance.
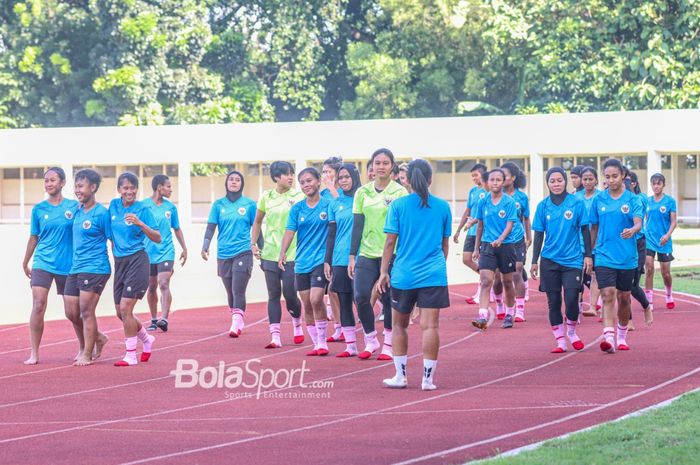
(517, 205)
(341, 208)
(482, 195)
(114, 217)
(241, 211)
(291, 202)
(387, 201)
(46, 217)
(87, 224)
(625, 209)
(223, 210)
(128, 222)
(323, 216)
(662, 209)
(302, 219)
(568, 214)
(68, 214)
(168, 214)
(602, 209)
(502, 214)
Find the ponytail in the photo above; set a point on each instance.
(420, 175)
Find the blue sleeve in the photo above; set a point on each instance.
(107, 225)
(593, 212)
(391, 224)
(251, 212)
(637, 209)
(526, 206)
(479, 215)
(470, 197)
(331, 212)
(511, 212)
(148, 218)
(447, 222)
(34, 228)
(672, 207)
(538, 222)
(175, 218)
(292, 224)
(581, 214)
(214, 214)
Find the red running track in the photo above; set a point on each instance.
(498, 390)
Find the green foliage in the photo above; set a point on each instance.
(132, 62)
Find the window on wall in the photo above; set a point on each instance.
(443, 166)
(107, 171)
(33, 173)
(151, 170)
(565, 162)
(266, 169)
(545, 164)
(10, 173)
(134, 169)
(465, 166)
(666, 162)
(634, 162)
(588, 161)
(519, 162)
(253, 169)
(171, 170)
(691, 162)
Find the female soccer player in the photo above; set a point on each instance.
(514, 182)
(560, 220)
(637, 291)
(90, 269)
(309, 221)
(131, 223)
(495, 246)
(589, 179)
(371, 204)
(234, 215)
(418, 227)
(403, 177)
(162, 256)
(329, 177)
(337, 253)
(661, 221)
(274, 206)
(615, 218)
(576, 177)
(51, 243)
(476, 193)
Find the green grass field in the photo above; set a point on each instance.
(686, 241)
(663, 436)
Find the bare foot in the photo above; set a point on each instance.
(78, 355)
(82, 361)
(648, 316)
(99, 345)
(33, 360)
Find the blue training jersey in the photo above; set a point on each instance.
(522, 209)
(91, 230)
(53, 226)
(587, 202)
(658, 222)
(419, 261)
(561, 225)
(311, 226)
(126, 237)
(612, 216)
(167, 219)
(495, 218)
(643, 202)
(476, 193)
(234, 221)
(340, 213)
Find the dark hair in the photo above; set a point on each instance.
(59, 171)
(382, 151)
(237, 173)
(280, 167)
(369, 164)
(395, 170)
(92, 176)
(311, 170)
(334, 162)
(158, 180)
(520, 181)
(495, 170)
(635, 179)
(658, 177)
(480, 167)
(615, 163)
(354, 175)
(128, 176)
(419, 175)
(577, 170)
(589, 169)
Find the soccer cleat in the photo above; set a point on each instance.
(273, 345)
(623, 346)
(470, 301)
(480, 323)
(145, 356)
(153, 326)
(397, 382)
(520, 318)
(370, 348)
(507, 322)
(322, 352)
(346, 354)
(233, 333)
(299, 339)
(607, 346)
(332, 339)
(313, 353)
(558, 350)
(427, 386)
(670, 305)
(578, 345)
(163, 325)
(500, 316)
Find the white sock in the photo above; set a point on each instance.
(311, 329)
(400, 365)
(429, 367)
(321, 326)
(298, 330)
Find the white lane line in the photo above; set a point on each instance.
(14, 327)
(51, 344)
(573, 416)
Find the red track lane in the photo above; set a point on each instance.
(498, 390)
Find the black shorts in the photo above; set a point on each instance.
(403, 301)
(269, 265)
(554, 277)
(162, 267)
(663, 257)
(314, 278)
(131, 276)
(622, 280)
(502, 258)
(520, 251)
(42, 278)
(86, 282)
(241, 263)
(469, 244)
(340, 281)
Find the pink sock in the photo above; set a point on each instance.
(298, 331)
(387, 337)
(520, 303)
(609, 334)
(498, 298)
(349, 333)
(510, 311)
(621, 334)
(142, 334)
(338, 330)
(600, 302)
(558, 331)
(321, 326)
(669, 291)
(130, 356)
(275, 329)
(571, 330)
(650, 294)
(311, 329)
(484, 313)
(238, 318)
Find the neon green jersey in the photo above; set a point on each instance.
(374, 206)
(276, 207)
